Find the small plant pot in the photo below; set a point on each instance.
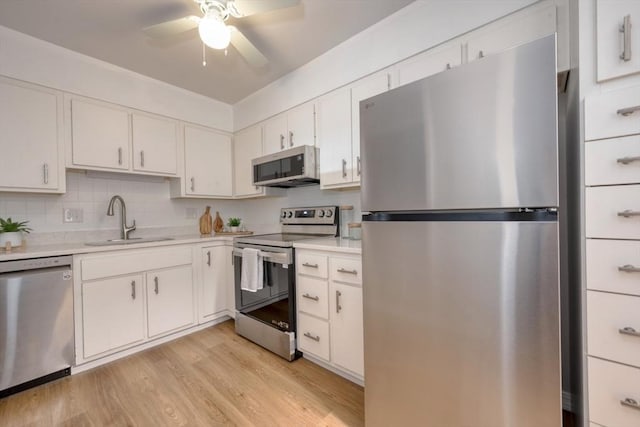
(234, 229)
(15, 237)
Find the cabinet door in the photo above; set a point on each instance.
(207, 163)
(169, 300)
(428, 63)
(30, 123)
(275, 134)
(247, 146)
(365, 88)
(214, 280)
(301, 126)
(347, 341)
(334, 138)
(155, 144)
(99, 135)
(112, 314)
(613, 59)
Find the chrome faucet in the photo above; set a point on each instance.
(124, 230)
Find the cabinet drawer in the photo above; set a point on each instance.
(313, 296)
(602, 119)
(313, 336)
(125, 262)
(311, 264)
(608, 314)
(605, 207)
(609, 385)
(612, 161)
(604, 258)
(348, 270)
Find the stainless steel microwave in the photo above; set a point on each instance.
(294, 167)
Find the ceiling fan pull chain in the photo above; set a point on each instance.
(204, 55)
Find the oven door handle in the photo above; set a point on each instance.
(275, 257)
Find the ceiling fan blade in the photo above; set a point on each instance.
(172, 28)
(253, 56)
(251, 7)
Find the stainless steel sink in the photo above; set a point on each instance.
(130, 241)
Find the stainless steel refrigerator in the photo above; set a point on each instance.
(461, 246)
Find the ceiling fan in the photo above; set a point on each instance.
(213, 30)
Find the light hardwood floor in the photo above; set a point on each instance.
(213, 377)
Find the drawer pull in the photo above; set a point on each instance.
(627, 160)
(306, 264)
(628, 330)
(628, 111)
(155, 287)
(630, 403)
(338, 306)
(625, 29)
(307, 296)
(629, 213)
(133, 289)
(308, 335)
(344, 270)
(628, 268)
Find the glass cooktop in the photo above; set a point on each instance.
(276, 239)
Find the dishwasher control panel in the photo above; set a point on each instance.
(35, 264)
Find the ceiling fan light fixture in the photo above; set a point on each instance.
(214, 32)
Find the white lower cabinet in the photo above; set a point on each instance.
(330, 321)
(169, 300)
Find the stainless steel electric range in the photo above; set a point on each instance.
(268, 316)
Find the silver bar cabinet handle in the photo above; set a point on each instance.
(308, 335)
(290, 138)
(338, 306)
(281, 141)
(306, 264)
(344, 168)
(45, 173)
(119, 155)
(142, 158)
(448, 67)
(625, 29)
(359, 167)
(209, 258)
(480, 54)
(630, 403)
(628, 111)
(155, 287)
(628, 268)
(627, 160)
(193, 184)
(133, 289)
(344, 270)
(628, 213)
(628, 330)
(307, 296)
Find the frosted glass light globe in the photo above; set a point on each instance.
(214, 32)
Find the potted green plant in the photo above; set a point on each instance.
(234, 223)
(11, 232)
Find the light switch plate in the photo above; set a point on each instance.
(72, 215)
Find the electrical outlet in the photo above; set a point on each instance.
(192, 213)
(70, 215)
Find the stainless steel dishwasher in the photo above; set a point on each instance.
(36, 322)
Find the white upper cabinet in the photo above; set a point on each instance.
(208, 163)
(365, 88)
(247, 146)
(428, 63)
(99, 135)
(155, 144)
(31, 134)
(618, 38)
(334, 138)
(290, 129)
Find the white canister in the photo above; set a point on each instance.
(13, 237)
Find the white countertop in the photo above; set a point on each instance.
(332, 244)
(39, 251)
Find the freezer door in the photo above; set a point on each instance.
(479, 136)
(461, 324)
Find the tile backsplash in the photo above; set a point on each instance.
(149, 203)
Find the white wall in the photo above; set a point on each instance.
(33, 60)
(419, 26)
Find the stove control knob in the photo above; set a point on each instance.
(328, 213)
(289, 214)
(283, 214)
(320, 213)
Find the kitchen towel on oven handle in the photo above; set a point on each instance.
(252, 270)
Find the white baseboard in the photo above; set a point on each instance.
(344, 374)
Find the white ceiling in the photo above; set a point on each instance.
(110, 30)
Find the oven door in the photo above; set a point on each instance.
(271, 304)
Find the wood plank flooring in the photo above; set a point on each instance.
(213, 377)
